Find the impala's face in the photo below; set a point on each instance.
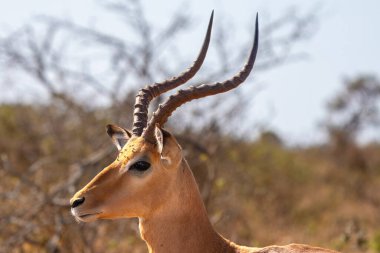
(135, 185)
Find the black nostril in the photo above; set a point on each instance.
(77, 202)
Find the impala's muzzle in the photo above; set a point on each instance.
(77, 202)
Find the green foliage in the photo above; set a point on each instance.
(375, 242)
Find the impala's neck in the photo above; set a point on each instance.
(182, 225)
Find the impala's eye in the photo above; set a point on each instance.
(140, 166)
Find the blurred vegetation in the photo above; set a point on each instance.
(257, 191)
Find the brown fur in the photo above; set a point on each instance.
(166, 200)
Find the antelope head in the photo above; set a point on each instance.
(144, 175)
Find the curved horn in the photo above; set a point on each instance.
(147, 94)
(183, 96)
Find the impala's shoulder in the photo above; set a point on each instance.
(292, 248)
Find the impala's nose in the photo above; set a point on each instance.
(77, 202)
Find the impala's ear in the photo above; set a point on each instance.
(167, 146)
(119, 135)
(161, 136)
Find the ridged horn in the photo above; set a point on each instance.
(183, 96)
(147, 94)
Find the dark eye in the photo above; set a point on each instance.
(140, 166)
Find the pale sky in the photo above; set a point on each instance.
(293, 96)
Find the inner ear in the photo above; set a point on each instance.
(161, 138)
(119, 135)
(167, 146)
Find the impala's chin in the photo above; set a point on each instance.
(85, 216)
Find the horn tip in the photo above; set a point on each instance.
(257, 26)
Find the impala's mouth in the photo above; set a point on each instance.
(87, 217)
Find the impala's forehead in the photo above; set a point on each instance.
(134, 147)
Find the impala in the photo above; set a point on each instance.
(151, 180)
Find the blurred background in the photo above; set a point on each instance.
(293, 155)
